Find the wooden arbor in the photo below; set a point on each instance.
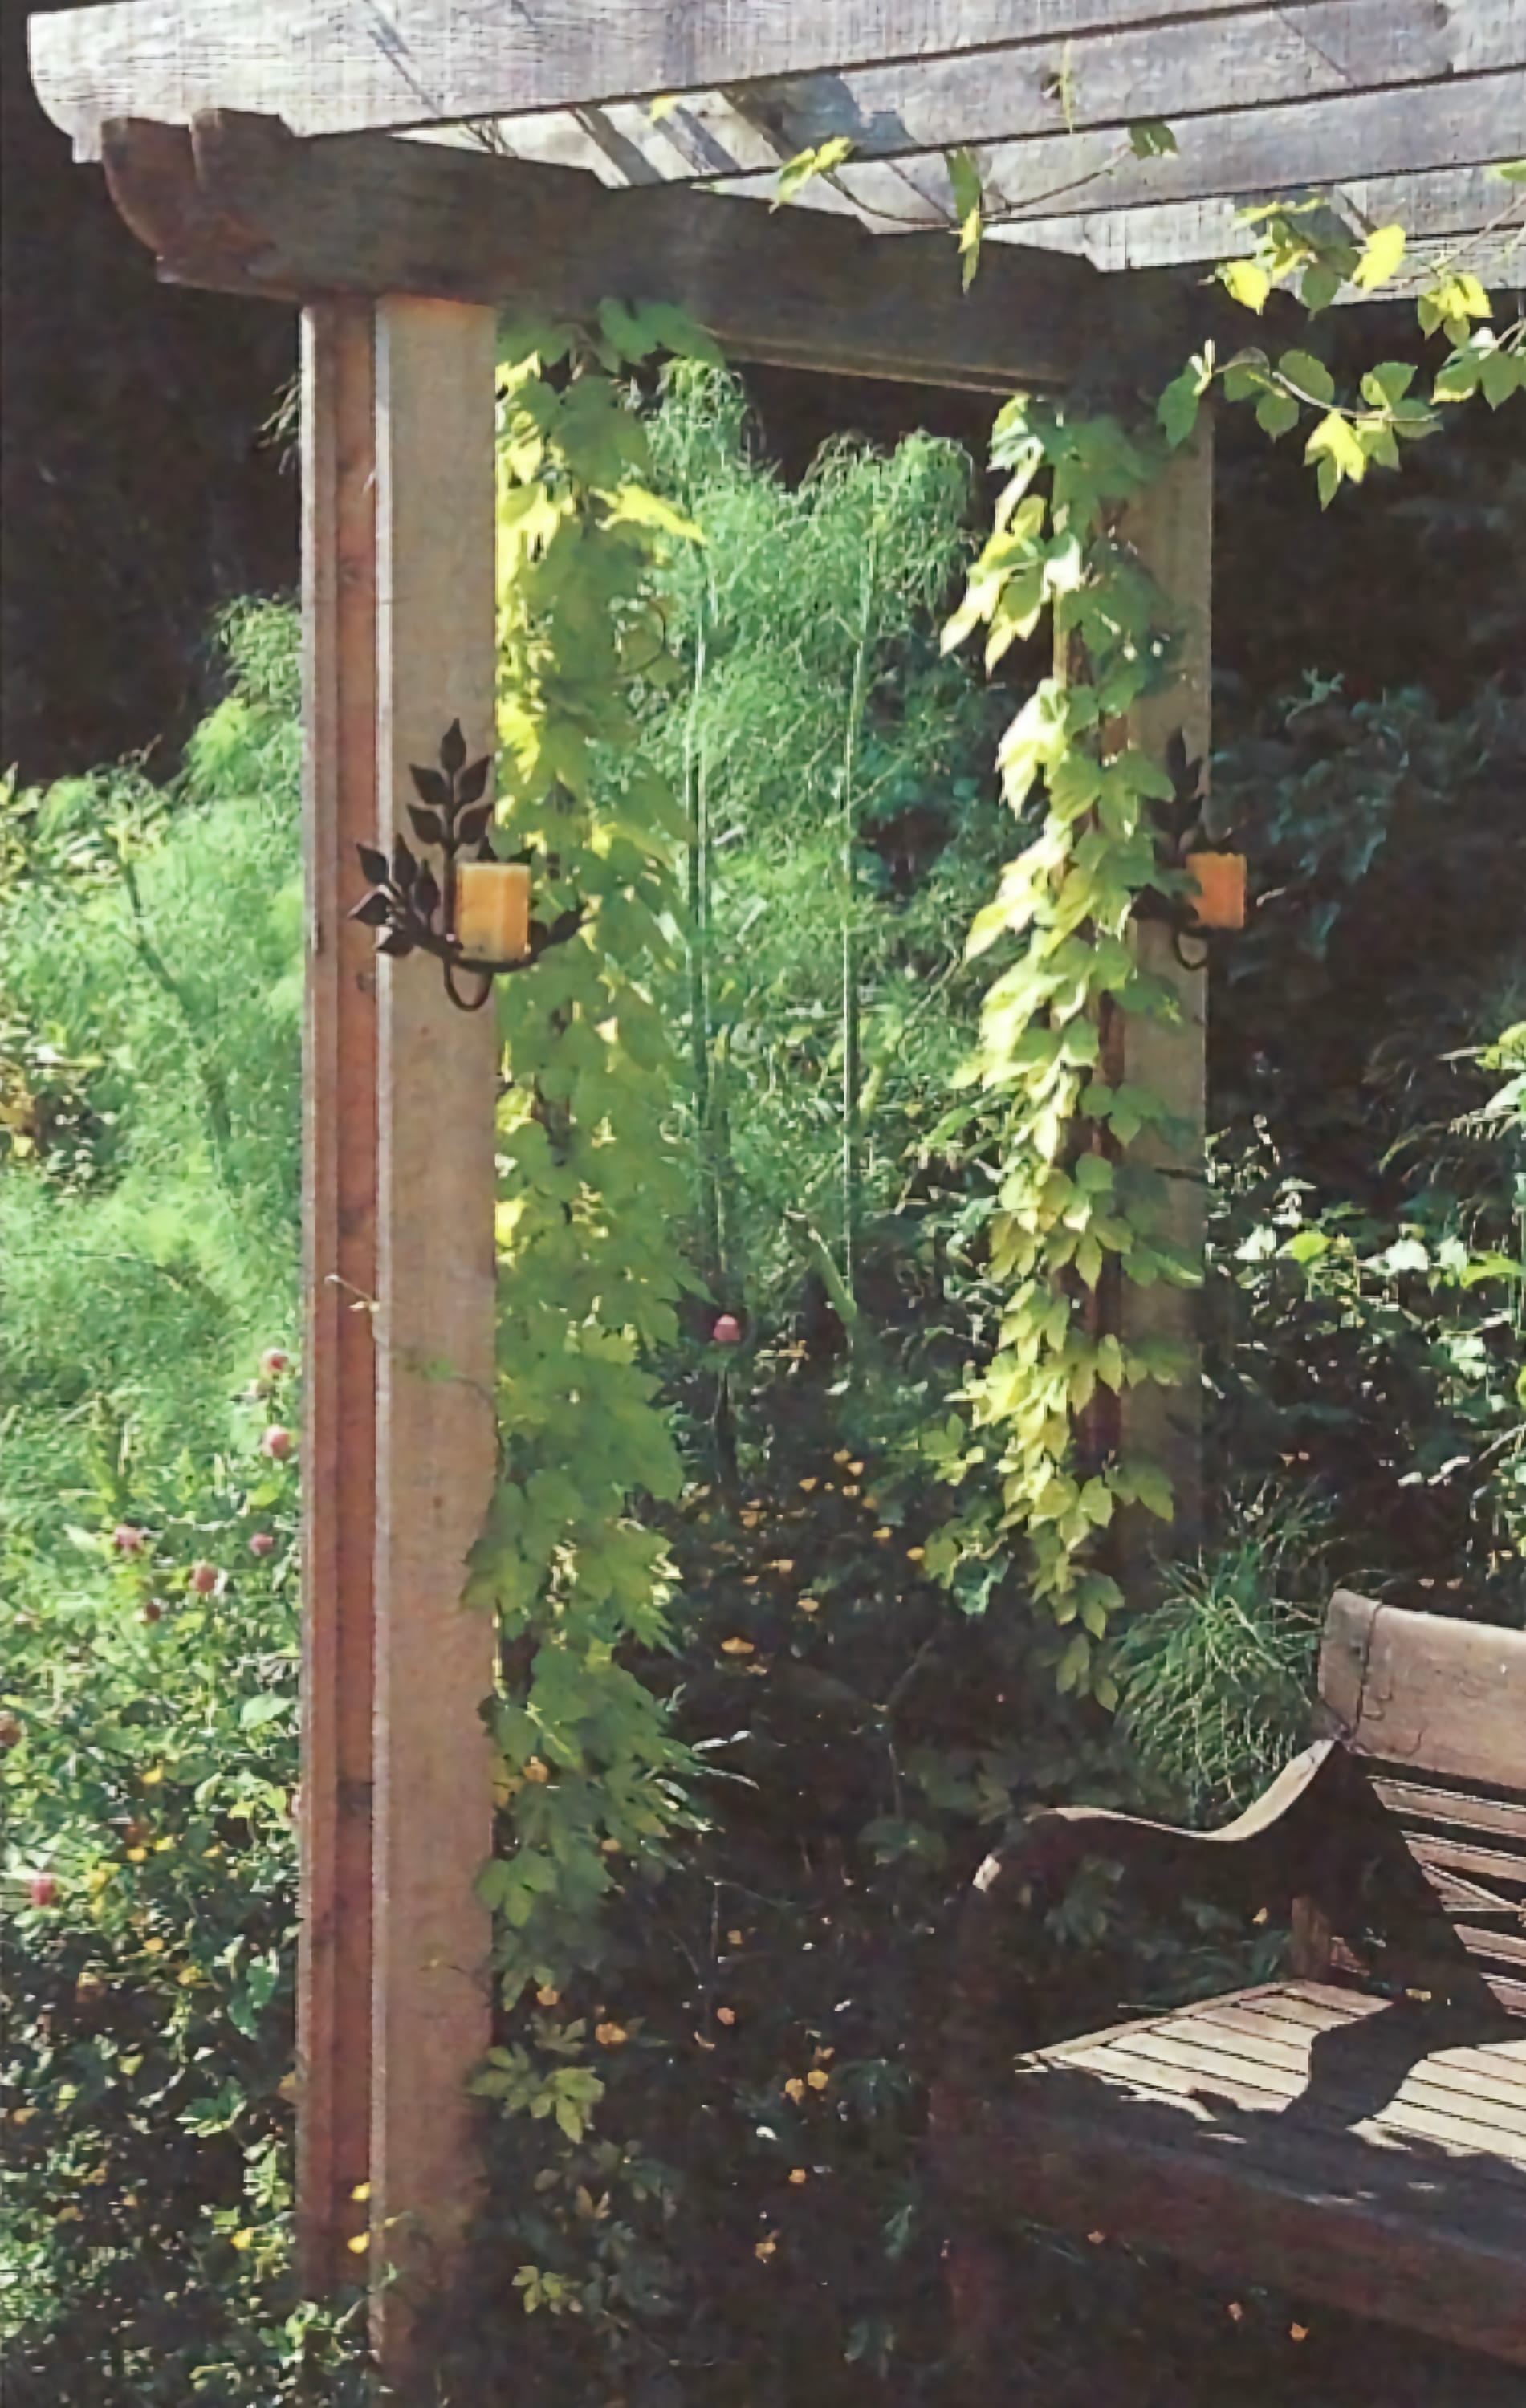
(400, 170)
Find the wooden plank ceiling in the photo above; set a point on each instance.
(1394, 109)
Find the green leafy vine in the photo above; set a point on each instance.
(590, 1192)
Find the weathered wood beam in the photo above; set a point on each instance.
(1468, 121)
(239, 205)
(1175, 71)
(340, 1142)
(435, 1339)
(1437, 209)
(356, 65)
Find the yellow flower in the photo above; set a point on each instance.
(361, 2242)
(809, 1604)
(734, 1938)
(154, 1947)
(794, 2088)
(137, 1855)
(608, 2035)
(244, 2240)
(362, 2191)
(883, 1532)
(853, 1470)
(548, 1997)
(155, 1774)
(764, 2249)
(797, 2176)
(916, 1554)
(536, 1770)
(817, 2080)
(808, 1484)
(738, 1647)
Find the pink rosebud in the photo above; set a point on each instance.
(43, 1889)
(274, 1361)
(261, 1543)
(128, 1539)
(276, 1443)
(728, 1330)
(204, 1579)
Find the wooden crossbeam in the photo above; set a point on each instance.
(1438, 211)
(1465, 121)
(1261, 58)
(239, 205)
(356, 65)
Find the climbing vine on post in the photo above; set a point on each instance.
(1074, 1211)
(590, 1196)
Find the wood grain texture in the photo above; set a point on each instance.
(339, 1140)
(373, 63)
(1280, 148)
(1173, 532)
(1426, 1693)
(1349, 2156)
(436, 1432)
(238, 204)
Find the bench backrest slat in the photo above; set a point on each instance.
(1437, 1709)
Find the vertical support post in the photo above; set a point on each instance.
(435, 1350)
(1171, 530)
(338, 1452)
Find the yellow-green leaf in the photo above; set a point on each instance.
(1381, 256)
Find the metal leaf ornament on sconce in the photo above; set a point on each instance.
(417, 912)
(1217, 874)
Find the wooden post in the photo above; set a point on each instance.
(339, 1453)
(434, 1428)
(1173, 531)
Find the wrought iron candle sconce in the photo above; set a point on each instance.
(1221, 875)
(417, 912)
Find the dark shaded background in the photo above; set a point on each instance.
(141, 490)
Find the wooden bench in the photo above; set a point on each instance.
(1355, 2134)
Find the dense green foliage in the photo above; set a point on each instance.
(715, 2199)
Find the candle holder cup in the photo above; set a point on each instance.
(415, 909)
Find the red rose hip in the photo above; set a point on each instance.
(728, 1330)
(277, 1443)
(204, 1579)
(42, 1889)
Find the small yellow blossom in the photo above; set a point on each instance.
(817, 2079)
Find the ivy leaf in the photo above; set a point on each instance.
(968, 207)
(1177, 407)
(1387, 383)
(1151, 137)
(1336, 452)
(1382, 256)
(807, 165)
(1311, 376)
(1277, 414)
(1247, 282)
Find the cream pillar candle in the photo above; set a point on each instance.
(492, 909)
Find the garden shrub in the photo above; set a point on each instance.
(740, 2221)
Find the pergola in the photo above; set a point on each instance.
(400, 169)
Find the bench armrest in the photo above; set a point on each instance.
(1289, 1843)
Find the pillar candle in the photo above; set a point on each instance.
(492, 909)
(1222, 888)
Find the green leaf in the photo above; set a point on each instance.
(800, 171)
(1311, 376)
(1277, 414)
(1387, 383)
(968, 209)
(1177, 407)
(1151, 137)
(1381, 257)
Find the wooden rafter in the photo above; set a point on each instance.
(236, 204)
(1178, 70)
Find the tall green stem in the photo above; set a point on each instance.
(696, 798)
(851, 1020)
